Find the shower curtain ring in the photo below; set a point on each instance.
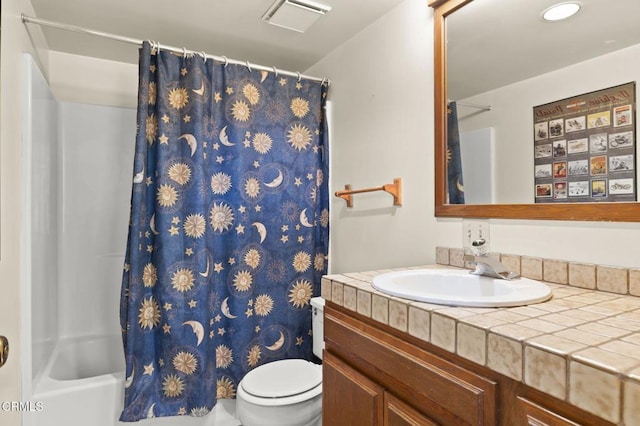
(248, 66)
(184, 53)
(157, 43)
(226, 61)
(299, 76)
(204, 56)
(275, 70)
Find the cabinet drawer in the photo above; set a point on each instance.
(443, 391)
(536, 415)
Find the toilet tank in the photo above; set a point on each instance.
(317, 325)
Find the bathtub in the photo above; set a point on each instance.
(83, 384)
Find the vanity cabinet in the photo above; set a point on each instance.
(376, 375)
(373, 378)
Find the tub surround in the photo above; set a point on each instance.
(582, 346)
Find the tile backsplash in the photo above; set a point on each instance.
(576, 274)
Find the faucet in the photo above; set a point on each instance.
(485, 265)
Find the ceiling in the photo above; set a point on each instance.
(231, 28)
(502, 41)
(506, 41)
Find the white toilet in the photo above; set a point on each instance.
(286, 392)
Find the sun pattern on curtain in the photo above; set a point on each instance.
(455, 183)
(229, 229)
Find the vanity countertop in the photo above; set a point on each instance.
(581, 346)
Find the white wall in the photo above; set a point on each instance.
(382, 128)
(512, 113)
(382, 93)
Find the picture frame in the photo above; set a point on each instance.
(585, 147)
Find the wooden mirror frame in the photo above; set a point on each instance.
(599, 211)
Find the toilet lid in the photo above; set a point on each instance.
(284, 378)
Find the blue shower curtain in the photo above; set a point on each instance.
(455, 183)
(229, 229)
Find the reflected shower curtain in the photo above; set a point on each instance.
(229, 229)
(455, 183)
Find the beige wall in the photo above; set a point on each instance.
(382, 128)
(95, 81)
(382, 93)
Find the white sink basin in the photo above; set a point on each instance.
(457, 287)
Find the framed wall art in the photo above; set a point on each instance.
(585, 147)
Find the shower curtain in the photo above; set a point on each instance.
(455, 182)
(229, 229)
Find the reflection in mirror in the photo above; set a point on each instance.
(497, 61)
(544, 62)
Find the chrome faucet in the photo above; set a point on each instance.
(486, 265)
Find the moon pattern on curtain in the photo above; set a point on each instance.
(229, 229)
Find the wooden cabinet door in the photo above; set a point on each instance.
(398, 413)
(354, 400)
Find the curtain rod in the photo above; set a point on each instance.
(58, 25)
(469, 104)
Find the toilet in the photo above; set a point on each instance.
(286, 392)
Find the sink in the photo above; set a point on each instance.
(457, 287)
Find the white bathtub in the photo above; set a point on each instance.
(83, 384)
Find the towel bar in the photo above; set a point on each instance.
(395, 189)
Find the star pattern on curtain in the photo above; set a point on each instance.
(229, 229)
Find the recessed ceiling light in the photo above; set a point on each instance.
(561, 11)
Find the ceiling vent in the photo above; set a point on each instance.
(295, 15)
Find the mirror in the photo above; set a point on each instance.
(509, 49)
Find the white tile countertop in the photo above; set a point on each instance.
(581, 346)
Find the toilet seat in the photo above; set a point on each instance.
(282, 382)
